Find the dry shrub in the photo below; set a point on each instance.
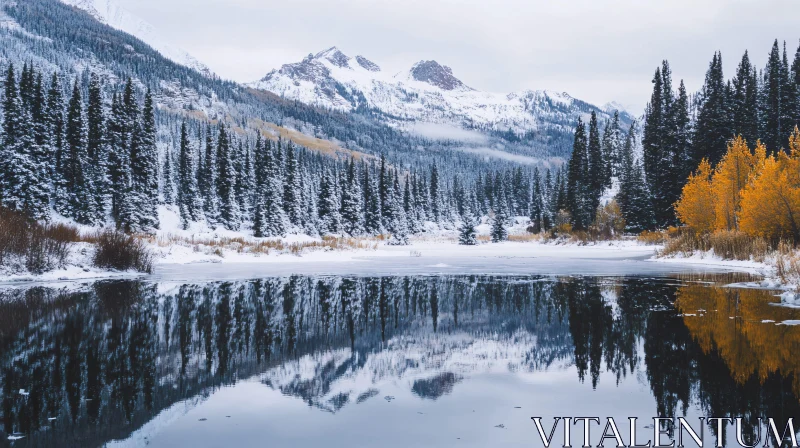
(40, 247)
(608, 222)
(653, 237)
(116, 250)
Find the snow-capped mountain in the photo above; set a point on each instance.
(428, 92)
(113, 15)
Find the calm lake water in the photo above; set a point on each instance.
(422, 361)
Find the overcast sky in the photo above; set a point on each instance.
(596, 50)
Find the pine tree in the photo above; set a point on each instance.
(41, 191)
(713, 128)
(96, 148)
(548, 201)
(499, 232)
(226, 182)
(597, 169)
(291, 188)
(384, 186)
(20, 166)
(434, 195)
(634, 197)
(188, 202)
(119, 165)
(372, 211)
(144, 168)
(54, 116)
(576, 197)
(397, 223)
(275, 218)
(76, 182)
(611, 148)
(168, 179)
(536, 206)
(352, 216)
(467, 236)
(795, 75)
(774, 126)
(744, 102)
(681, 148)
(207, 183)
(330, 220)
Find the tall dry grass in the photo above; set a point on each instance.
(727, 244)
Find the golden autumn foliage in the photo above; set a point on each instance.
(696, 206)
(748, 191)
(771, 201)
(741, 325)
(730, 178)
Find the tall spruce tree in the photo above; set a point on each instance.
(188, 201)
(352, 196)
(330, 220)
(576, 197)
(226, 182)
(76, 182)
(713, 128)
(596, 180)
(774, 95)
(144, 168)
(292, 188)
(634, 197)
(499, 232)
(54, 116)
(536, 206)
(372, 208)
(744, 102)
(96, 148)
(168, 179)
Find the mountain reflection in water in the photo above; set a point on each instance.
(83, 368)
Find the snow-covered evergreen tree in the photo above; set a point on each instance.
(352, 197)
(499, 231)
(144, 168)
(188, 200)
(226, 182)
(467, 236)
(330, 220)
(76, 159)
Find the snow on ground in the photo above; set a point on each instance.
(711, 259)
(202, 251)
(78, 267)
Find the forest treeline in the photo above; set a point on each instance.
(99, 161)
(686, 135)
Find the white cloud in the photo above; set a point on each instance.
(439, 131)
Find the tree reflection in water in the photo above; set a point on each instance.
(94, 365)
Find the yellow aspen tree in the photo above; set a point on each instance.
(696, 206)
(730, 178)
(771, 202)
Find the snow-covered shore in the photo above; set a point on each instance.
(202, 252)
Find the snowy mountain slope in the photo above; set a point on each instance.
(428, 92)
(113, 15)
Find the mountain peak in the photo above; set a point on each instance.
(436, 74)
(335, 57)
